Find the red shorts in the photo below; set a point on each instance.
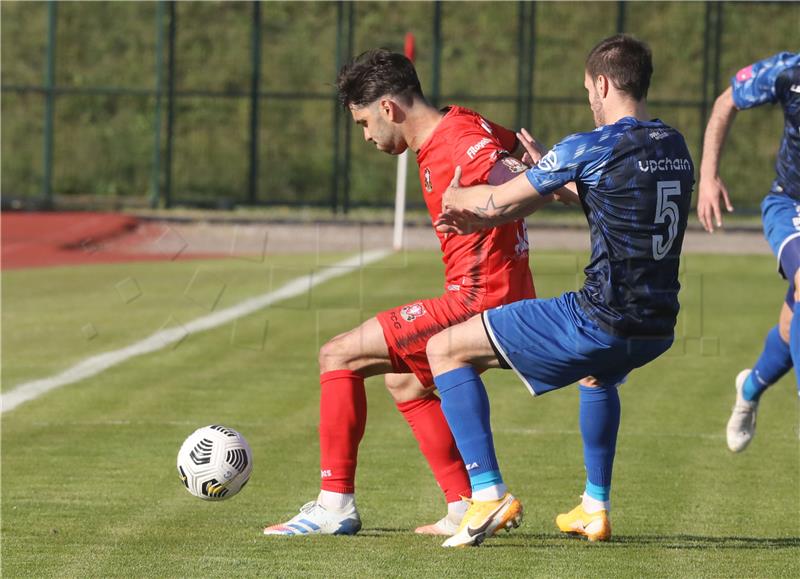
(408, 328)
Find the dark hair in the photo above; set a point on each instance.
(626, 61)
(375, 73)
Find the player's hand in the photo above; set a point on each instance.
(449, 197)
(566, 196)
(534, 150)
(457, 221)
(709, 211)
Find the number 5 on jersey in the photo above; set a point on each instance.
(666, 209)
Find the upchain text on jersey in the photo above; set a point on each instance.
(635, 181)
(776, 80)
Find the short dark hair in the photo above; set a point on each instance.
(375, 73)
(626, 61)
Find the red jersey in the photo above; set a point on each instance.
(491, 265)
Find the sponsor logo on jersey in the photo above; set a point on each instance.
(548, 162)
(795, 88)
(486, 126)
(514, 165)
(412, 312)
(745, 74)
(473, 150)
(659, 134)
(472, 465)
(325, 473)
(651, 165)
(454, 287)
(428, 183)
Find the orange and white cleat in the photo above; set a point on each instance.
(484, 518)
(593, 526)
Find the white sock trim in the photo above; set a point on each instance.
(592, 505)
(492, 493)
(336, 501)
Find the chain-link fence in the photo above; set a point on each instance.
(232, 103)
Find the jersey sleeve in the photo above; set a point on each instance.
(754, 85)
(578, 158)
(478, 148)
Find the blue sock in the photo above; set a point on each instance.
(774, 362)
(466, 407)
(599, 420)
(794, 342)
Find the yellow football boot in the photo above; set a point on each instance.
(484, 518)
(594, 526)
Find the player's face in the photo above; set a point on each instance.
(595, 100)
(375, 121)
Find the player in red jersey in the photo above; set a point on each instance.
(482, 270)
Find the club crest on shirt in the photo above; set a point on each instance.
(514, 165)
(428, 183)
(412, 312)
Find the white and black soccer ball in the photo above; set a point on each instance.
(215, 462)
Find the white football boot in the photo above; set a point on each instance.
(742, 423)
(314, 519)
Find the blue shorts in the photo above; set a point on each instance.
(552, 343)
(780, 215)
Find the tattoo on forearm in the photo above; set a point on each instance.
(491, 210)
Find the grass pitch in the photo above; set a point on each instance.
(89, 487)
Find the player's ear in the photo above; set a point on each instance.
(391, 110)
(602, 85)
(385, 108)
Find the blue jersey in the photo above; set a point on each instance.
(776, 80)
(635, 182)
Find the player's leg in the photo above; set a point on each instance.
(344, 362)
(599, 419)
(775, 361)
(780, 353)
(794, 326)
(455, 355)
(422, 410)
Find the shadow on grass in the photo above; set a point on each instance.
(665, 541)
(519, 539)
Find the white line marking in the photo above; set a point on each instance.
(96, 364)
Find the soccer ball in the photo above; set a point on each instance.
(215, 462)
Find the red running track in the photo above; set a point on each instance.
(71, 238)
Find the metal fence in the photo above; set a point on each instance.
(525, 89)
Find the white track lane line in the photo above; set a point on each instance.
(96, 364)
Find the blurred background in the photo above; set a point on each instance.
(228, 104)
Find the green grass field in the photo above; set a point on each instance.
(89, 487)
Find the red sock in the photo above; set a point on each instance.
(436, 442)
(342, 419)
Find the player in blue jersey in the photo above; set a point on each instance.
(772, 80)
(634, 177)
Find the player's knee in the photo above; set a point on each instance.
(438, 351)
(334, 355)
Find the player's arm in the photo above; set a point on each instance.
(534, 151)
(467, 209)
(712, 188)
